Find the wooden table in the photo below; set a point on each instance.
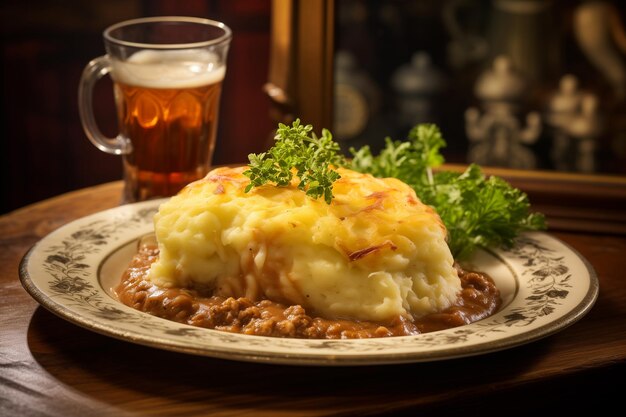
(53, 368)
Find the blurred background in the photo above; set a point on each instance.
(524, 84)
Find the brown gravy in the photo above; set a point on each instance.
(478, 299)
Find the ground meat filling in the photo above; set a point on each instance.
(478, 299)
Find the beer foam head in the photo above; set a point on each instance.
(169, 69)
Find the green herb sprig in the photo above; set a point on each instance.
(409, 160)
(477, 210)
(297, 147)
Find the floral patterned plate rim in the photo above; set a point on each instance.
(545, 284)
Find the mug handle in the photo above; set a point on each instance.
(95, 70)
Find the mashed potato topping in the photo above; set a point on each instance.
(375, 253)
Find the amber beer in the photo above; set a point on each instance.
(167, 73)
(167, 105)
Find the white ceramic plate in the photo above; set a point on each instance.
(545, 286)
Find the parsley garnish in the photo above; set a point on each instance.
(410, 161)
(477, 210)
(297, 148)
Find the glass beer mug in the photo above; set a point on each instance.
(167, 74)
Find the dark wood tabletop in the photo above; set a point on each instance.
(50, 367)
